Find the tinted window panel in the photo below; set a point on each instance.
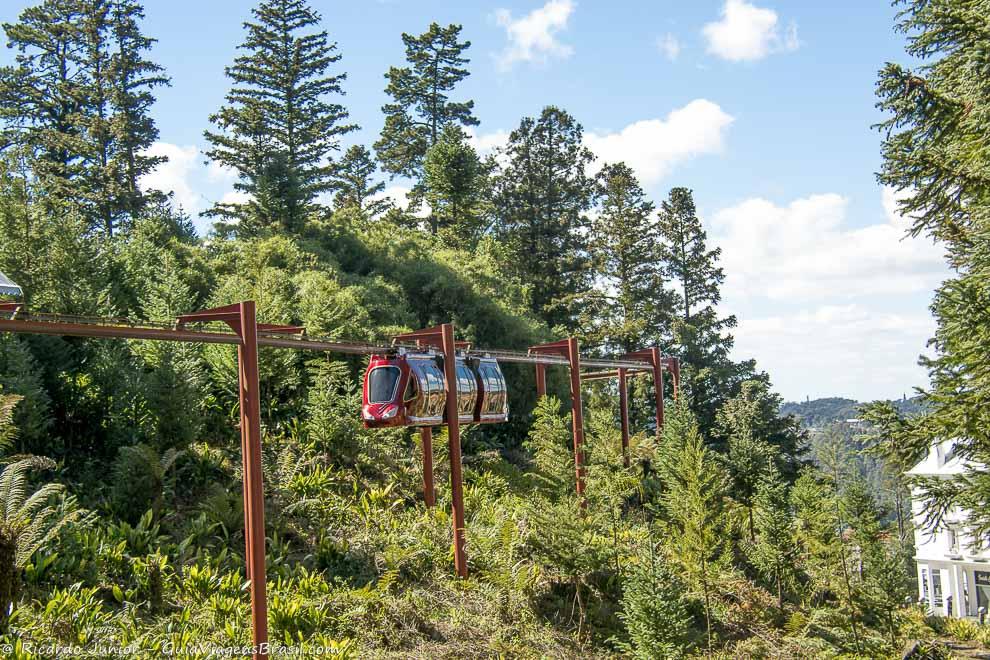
(381, 384)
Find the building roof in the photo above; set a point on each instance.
(8, 288)
(942, 461)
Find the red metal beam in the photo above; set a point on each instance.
(429, 491)
(577, 414)
(673, 367)
(454, 440)
(254, 499)
(430, 337)
(541, 381)
(281, 329)
(624, 416)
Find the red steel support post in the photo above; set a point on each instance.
(624, 416)
(254, 499)
(655, 359)
(429, 493)
(454, 438)
(577, 413)
(541, 380)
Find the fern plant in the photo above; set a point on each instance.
(8, 432)
(139, 477)
(28, 522)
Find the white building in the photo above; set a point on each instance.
(953, 567)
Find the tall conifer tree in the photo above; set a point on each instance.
(354, 184)
(542, 198)
(421, 106)
(455, 181)
(702, 334)
(634, 309)
(279, 126)
(936, 152)
(78, 100)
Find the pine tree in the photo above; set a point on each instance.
(891, 438)
(707, 372)
(79, 102)
(132, 79)
(279, 126)
(774, 551)
(936, 149)
(655, 610)
(40, 96)
(542, 198)
(354, 185)
(632, 309)
(754, 414)
(455, 182)
(696, 505)
(421, 106)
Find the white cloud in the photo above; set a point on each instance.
(218, 172)
(670, 46)
(653, 146)
(805, 250)
(533, 37)
(487, 143)
(399, 195)
(838, 350)
(746, 32)
(176, 175)
(194, 183)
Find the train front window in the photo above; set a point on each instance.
(381, 384)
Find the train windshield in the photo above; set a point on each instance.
(381, 384)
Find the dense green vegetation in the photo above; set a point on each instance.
(720, 538)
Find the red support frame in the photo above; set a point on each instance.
(429, 491)
(242, 319)
(442, 337)
(624, 416)
(655, 359)
(568, 348)
(541, 381)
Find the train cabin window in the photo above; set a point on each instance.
(423, 404)
(382, 382)
(436, 390)
(467, 389)
(412, 390)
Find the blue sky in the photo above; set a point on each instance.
(763, 108)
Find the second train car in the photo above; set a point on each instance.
(409, 389)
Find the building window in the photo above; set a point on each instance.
(924, 583)
(953, 541)
(937, 586)
(981, 581)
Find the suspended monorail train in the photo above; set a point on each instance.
(408, 388)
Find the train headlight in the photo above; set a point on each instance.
(390, 412)
(366, 413)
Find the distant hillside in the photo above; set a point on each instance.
(821, 412)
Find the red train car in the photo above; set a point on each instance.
(409, 389)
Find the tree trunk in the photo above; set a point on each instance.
(9, 586)
(708, 605)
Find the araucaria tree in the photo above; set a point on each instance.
(455, 184)
(542, 199)
(696, 505)
(421, 106)
(936, 150)
(78, 102)
(696, 278)
(355, 186)
(280, 124)
(632, 309)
